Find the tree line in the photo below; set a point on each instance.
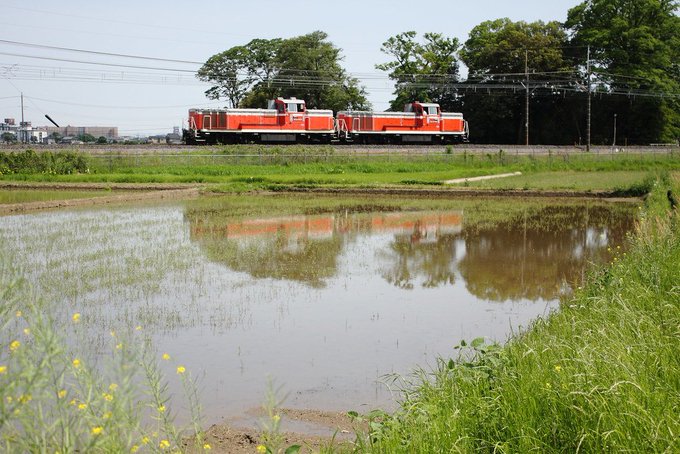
(614, 65)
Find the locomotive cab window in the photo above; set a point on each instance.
(430, 110)
(295, 107)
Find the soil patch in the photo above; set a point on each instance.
(311, 429)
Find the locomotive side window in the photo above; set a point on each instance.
(431, 110)
(292, 107)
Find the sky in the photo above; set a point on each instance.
(95, 89)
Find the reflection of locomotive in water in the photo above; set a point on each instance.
(289, 121)
(420, 227)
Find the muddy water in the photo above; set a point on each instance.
(326, 301)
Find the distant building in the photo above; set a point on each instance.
(24, 132)
(110, 132)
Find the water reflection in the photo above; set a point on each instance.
(536, 254)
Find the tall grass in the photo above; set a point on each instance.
(55, 398)
(602, 374)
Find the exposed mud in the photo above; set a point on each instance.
(311, 429)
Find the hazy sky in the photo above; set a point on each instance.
(151, 101)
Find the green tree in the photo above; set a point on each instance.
(87, 138)
(635, 48)
(499, 52)
(8, 137)
(422, 71)
(307, 67)
(102, 140)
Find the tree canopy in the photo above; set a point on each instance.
(421, 71)
(306, 67)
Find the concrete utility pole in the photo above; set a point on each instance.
(614, 142)
(526, 107)
(22, 125)
(589, 96)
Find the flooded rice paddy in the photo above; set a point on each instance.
(325, 296)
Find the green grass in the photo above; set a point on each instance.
(600, 375)
(241, 169)
(34, 195)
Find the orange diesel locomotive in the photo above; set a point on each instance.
(289, 121)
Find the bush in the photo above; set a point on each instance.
(27, 162)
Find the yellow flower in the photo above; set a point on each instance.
(97, 430)
(119, 346)
(558, 368)
(134, 448)
(14, 346)
(113, 333)
(207, 447)
(25, 398)
(9, 399)
(161, 408)
(166, 356)
(27, 331)
(113, 387)
(18, 313)
(82, 406)
(73, 402)
(181, 369)
(61, 394)
(3, 370)
(548, 386)
(261, 449)
(76, 317)
(76, 363)
(138, 328)
(276, 418)
(164, 444)
(145, 440)
(107, 415)
(107, 397)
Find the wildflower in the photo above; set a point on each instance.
(145, 440)
(113, 387)
(76, 317)
(276, 418)
(164, 444)
(25, 398)
(61, 394)
(82, 406)
(107, 397)
(181, 369)
(14, 346)
(76, 363)
(166, 356)
(107, 415)
(138, 328)
(73, 402)
(558, 368)
(97, 430)
(207, 447)
(113, 333)
(119, 346)
(161, 408)
(261, 449)
(18, 314)
(548, 386)
(3, 370)
(134, 448)
(27, 331)
(9, 399)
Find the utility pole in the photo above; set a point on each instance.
(614, 142)
(22, 125)
(589, 100)
(526, 107)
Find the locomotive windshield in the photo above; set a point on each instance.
(296, 107)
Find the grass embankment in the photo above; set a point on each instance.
(280, 168)
(600, 375)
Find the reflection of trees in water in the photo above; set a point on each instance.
(539, 255)
(536, 255)
(307, 260)
(410, 258)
